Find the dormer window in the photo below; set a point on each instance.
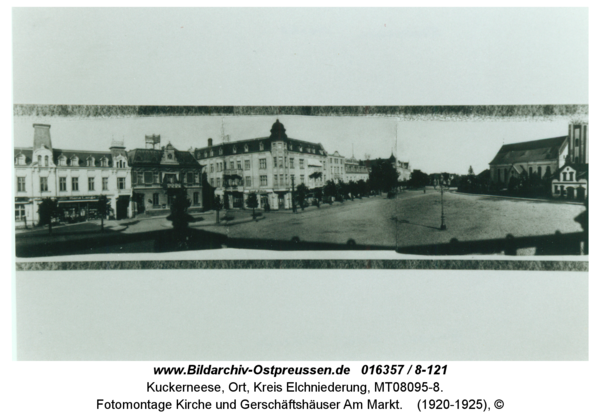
(45, 160)
(90, 161)
(21, 160)
(262, 146)
(39, 160)
(245, 147)
(206, 155)
(74, 161)
(104, 162)
(62, 161)
(212, 153)
(220, 151)
(234, 149)
(291, 147)
(300, 148)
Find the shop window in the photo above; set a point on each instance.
(19, 212)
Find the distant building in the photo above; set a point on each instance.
(571, 179)
(402, 168)
(157, 172)
(76, 178)
(266, 166)
(541, 157)
(336, 167)
(355, 170)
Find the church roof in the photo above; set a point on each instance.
(528, 151)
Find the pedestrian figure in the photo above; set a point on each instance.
(424, 190)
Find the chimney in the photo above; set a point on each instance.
(209, 142)
(41, 136)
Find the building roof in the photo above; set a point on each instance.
(82, 155)
(241, 147)
(581, 170)
(153, 157)
(528, 151)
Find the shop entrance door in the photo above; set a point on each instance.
(122, 205)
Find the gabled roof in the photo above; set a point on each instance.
(581, 170)
(529, 151)
(153, 157)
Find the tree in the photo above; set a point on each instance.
(362, 187)
(103, 210)
(179, 216)
(330, 190)
(383, 176)
(217, 205)
(301, 192)
(471, 172)
(226, 202)
(318, 197)
(418, 179)
(47, 210)
(354, 190)
(252, 202)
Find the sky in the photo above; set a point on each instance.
(431, 146)
(279, 57)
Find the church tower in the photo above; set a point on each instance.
(578, 143)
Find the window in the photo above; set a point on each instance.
(220, 150)
(263, 163)
(263, 180)
(148, 177)
(530, 171)
(104, 162)
(224, 164)
(190, 177)
(239, 164)
(281, 162)
(301, 163)
(247, 165)
(212, 153)
(19, 212)
(62, 183)
(274, 162)
(274, 180)
(105, 184)
(556, 189)
(212, 168)
(300, 148)
(262, 146)
(74, 161)
(564, 176)
(245, 147)
(196, 198)
(169, 199)
(90, 184)
(21, 184)
(62, 161)
(218, 182)
(234, 149)
(212, 182)
(286, 180)
(248, 181)
(571, 176)
(291, 147)
(90, 161)
(292, 163)
(39, 160)
(121, 183)
(45, 160)
(196, 178)
(156, 178)
(302, 179)
(74, 184)
(155, 200)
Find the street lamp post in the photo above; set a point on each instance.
(443, 225)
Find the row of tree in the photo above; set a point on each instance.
(48, 211)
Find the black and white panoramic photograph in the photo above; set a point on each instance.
(507, 180)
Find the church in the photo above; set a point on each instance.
(563, 160)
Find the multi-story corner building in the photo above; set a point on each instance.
(402, 168)
(76, 178)
(267, 166)
(571, 179)
(336, 167)
(157, 172)
(355, 171)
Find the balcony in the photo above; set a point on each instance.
(233, 172)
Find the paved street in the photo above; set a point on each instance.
(413, 218)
